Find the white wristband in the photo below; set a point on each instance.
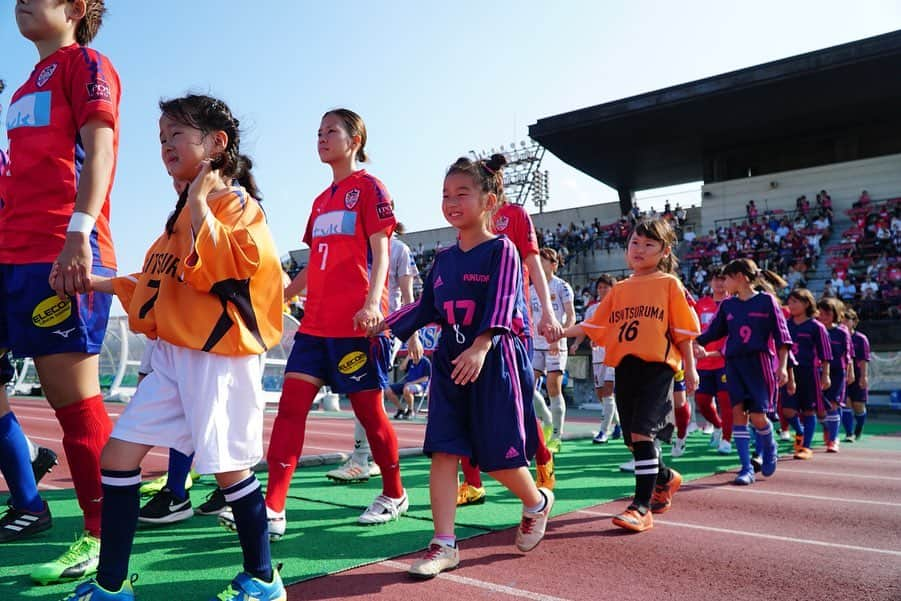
(81, 222)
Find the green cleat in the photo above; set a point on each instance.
(151, 487)
(78, 562)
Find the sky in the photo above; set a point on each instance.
(432, 81)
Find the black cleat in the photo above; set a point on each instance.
(43, 463)
(18, 524)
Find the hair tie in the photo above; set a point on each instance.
(487, 168)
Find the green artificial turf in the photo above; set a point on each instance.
(196, 559)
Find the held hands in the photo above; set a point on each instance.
(71, 272)
(699, 351)
(550, 328)
(369, 319)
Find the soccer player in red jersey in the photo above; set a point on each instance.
(513, 221)
(63, 125)
(712, 371)
(348, 233)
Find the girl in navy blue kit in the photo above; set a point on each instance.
(857, 390)
(756, 332)
(813, 353)
(841, 368)
(480, 397)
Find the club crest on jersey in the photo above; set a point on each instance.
(351, 198)
(45, 75)
(501, 223)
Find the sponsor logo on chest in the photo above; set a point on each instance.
(335, 223)
(31, 110)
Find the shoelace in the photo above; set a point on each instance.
(527, 524)
(385, 503)
(433, 552)
(227, 594)
(75, 550)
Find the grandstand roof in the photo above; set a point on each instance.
(831, 105)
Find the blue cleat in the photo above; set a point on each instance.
(91, 591)
(744, 478)
(245, 586)
(617, 433)
(770, 457)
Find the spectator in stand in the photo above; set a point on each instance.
(681, 215)
(689, 234)
(829, 290)
(751, 210)
(863, 200)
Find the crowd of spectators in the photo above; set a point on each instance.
(866, 267)
(786, 243)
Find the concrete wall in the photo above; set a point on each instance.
(844, 182)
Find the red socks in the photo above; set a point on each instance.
(704, 403)
(286, 442)
(725, 405)
(368, 408)
(683, 416)
(86, 428)
(471, 475)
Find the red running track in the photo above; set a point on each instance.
(824, 529)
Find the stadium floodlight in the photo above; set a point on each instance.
(522, 175)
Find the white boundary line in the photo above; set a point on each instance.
(488, 586)
(743, 490)
(839, 474)
(788, 539)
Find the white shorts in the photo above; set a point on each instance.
(603, 373)
(543, 361)
(145, 368)
(196, 402)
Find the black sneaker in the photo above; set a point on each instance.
(757, 463)
(16, 524)
(43, 463)
(214, 504)
(164, 508)
(400, 413)
(408, 414)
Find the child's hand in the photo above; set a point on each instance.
(782, 376)
(864, 382)
(550, 328)
(691, 380)
(790, 387)
(204, 182)
(468, 365)
(573, 348)
(825, 382)
(414, 348)
(699, 351)
(377, 328)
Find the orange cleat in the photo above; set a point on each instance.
(803, 453)
(662, 499)
(631, 519)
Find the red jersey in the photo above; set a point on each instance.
(343, 218)
(706, 309)
(69, 88)
(512, 221)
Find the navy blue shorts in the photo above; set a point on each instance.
(751, 382)
(344, 364)
(856, 394)
(712, 381)
(492, 420)
(808, 396)
(835, 394)
(35, 322)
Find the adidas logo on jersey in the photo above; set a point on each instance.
(511, 453)
(438, 281)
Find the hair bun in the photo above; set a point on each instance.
(496, 162)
